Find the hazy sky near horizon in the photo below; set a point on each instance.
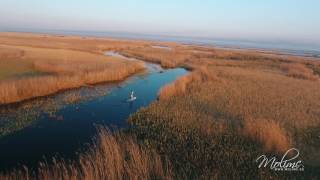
(286, 20)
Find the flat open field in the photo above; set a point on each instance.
(234, 106)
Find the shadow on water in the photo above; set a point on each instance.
(60, 127)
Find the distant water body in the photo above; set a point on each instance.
(309, 50)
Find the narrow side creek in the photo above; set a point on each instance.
(62, 124)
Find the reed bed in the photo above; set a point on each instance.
(269, 133)
(62, 69)
(299, 71)
(26, 88)
(216, 127)
(167, 59)
(179, 87)
(77, 43)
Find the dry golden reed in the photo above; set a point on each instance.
(56, 70)
(14, 90)
(197, 119)
(179, 87)
(269, 133)
(299, 71)
(167, 59)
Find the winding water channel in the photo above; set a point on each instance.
(62, 124)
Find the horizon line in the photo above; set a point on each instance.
(237, 43)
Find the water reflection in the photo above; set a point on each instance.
(65, 122)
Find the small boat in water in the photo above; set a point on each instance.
(132, 97)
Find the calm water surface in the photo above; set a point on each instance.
(74, 125)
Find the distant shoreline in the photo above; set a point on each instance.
(265, 47)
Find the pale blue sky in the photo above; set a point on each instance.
(288, 20)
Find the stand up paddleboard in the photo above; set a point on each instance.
(132, 97)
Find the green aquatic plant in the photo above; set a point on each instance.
(17, 117)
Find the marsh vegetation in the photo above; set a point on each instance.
(37, 69)
(233, 106)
